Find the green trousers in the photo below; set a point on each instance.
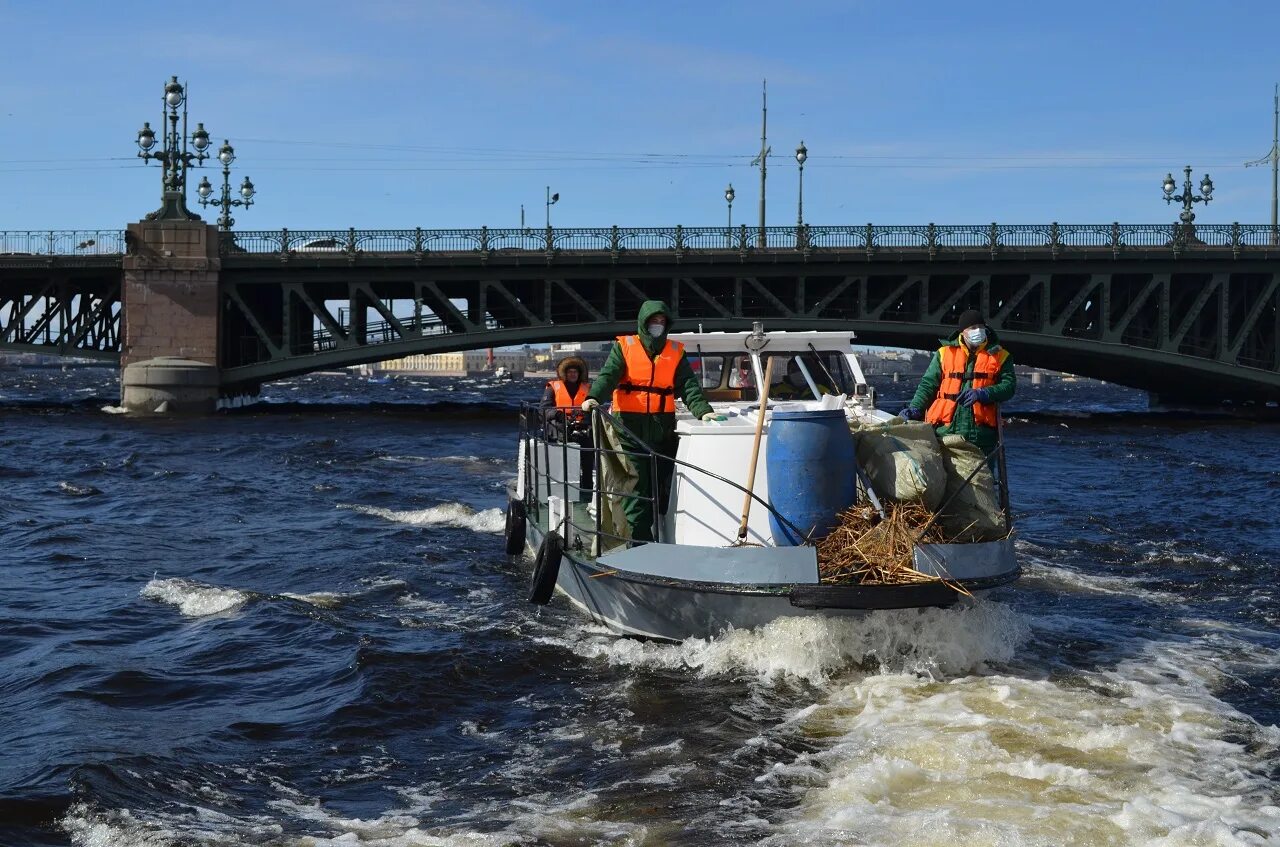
(640, 508)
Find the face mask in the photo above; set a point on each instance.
(975, 336)
(656, 329)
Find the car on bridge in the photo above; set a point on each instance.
(321, 245)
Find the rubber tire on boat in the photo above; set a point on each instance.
(546, 568)
(515, 527)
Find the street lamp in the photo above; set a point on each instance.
(226, 155)
(728, 198)
(174, 157)
(802, 153)
(552, 199)
(1186, 198)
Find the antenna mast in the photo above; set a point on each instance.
(1274, 158)
(765, 150)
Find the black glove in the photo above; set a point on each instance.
(973, 395)
(911, 413)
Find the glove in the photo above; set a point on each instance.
(710, 416)
(589, 404)
(911, 413)
(973, 395)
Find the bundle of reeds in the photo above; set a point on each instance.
(865, 549)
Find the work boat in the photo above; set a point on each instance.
(710, 568)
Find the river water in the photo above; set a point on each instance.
(295, 625)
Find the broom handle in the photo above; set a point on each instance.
(755, 449)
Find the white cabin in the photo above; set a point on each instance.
(821, 372)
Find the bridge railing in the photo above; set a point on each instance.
(931, 239)
(62, 242)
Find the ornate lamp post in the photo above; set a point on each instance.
(552, 199)
(174, 157)
(802, 153)
(728, 198)
(1187, 199)
(226, 155)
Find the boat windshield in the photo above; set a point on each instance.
(797, 375)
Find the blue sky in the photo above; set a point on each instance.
(451, 114)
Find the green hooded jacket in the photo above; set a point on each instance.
(658, 430)
(984, 437)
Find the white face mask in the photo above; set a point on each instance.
(975, 336)
(656, 329)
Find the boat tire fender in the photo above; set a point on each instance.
(546, 569)
(516, 524)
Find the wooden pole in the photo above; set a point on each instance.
(755, 450)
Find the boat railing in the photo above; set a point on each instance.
(542, 428)
(550, 425)
(1002, 468)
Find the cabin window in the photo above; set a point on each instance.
(708, 369)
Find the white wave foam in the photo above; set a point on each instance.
(194, 599)
(90, 828)
(948, 641)
(405, 460)
(73, 490)
(1062, 577)
(537, 818)
(446, 514)
(320, 599)
(1141, 754)
(115, 410)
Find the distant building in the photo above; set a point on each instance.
(467, 363)
(592, 352)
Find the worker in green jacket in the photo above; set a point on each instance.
(642, 377)
(969, 375)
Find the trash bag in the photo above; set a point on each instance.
(974, 513)
(903, 461)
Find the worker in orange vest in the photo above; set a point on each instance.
(561, 406)
(969, 375)
(643, 376)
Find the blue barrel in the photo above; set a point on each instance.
(812, 472)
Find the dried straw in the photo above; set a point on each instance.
(865, 549)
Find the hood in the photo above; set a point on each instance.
(648, 309)
(572, 362)
(993, 339)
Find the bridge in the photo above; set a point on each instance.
(1187, 312)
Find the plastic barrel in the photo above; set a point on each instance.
(812, 472)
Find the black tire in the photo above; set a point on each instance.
(546, 568)
(516, 524)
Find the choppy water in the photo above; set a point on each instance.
(295, 626)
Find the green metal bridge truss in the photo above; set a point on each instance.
(1186, 312)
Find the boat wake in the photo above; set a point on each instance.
(1142, 752)
(931, 642)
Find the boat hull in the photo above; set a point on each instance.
(647, 606)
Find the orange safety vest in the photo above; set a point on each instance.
(985, 371)
(565, 402)
(649, 385)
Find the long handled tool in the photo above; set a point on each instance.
(755, 449)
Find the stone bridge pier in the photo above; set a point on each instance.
(170, 315)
